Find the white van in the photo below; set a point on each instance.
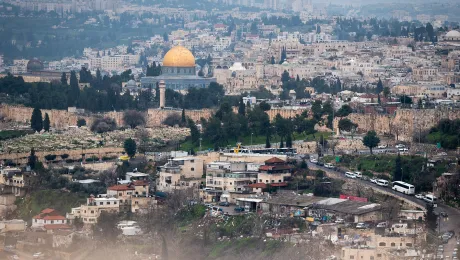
(358, 174)
(350, 175)
(383, 183)
(431, 199)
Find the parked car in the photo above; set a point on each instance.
(329, 165)
(362, 226)
(419, 196)
(382, 146)
(382, 225)
(373, 180)
(350, 175)
(313, 160)
(239, 209)
(38, 255)
(320, 163)
(340, 221)
(224, 204)
(358, 174)
(443, 214)
(400, 146)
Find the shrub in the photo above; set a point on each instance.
(102, 125)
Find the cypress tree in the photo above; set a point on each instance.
(289, 141)
(74, 92)
(183, 119)
(36, 122)
(46, 123)
(32, 160)
(242, 108)
(267, 142)
(397, 172)
(64, 78)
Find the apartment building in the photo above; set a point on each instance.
(19, 67)
(117, 62)
(181, 173)
(275, 170)
(91, 211)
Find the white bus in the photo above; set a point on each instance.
(383, 183)
(403, 187)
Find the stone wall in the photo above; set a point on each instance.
(405, 123)
(63, 119)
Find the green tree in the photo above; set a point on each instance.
(285, 77)
(346, 124)
(32, 159)
(405, 100)
(106, 227)
(289, 141)
(130, 147)
(46, 123)
(267, 142)
(379, 88)
(241, 107)
(81, 122)
(397, 171)
(64, 78)
(345, 110)
(183, 118)
(283, 56)
(371, 140)
(36, 122)
(194, 132)
(74, 92)
(264, 106)
(134, 118)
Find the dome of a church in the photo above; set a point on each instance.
(453, 33)
(179, 56)
(35, 65)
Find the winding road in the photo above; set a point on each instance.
(451, 223)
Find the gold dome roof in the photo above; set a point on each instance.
(179, 56)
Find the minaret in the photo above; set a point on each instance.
(162, 93)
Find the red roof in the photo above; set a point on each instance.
(47, 211)
(274, 160)
(57, 226)
(275, 167)
(265, 168)
(121, 187)
(54, 218)
(258, 185)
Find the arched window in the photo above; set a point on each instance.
(393, 244)
(382, 244)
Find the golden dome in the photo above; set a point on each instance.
(179, 56)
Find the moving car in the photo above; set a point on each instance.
(340, 221)
(382, 225)
(224, 204)
(383, 183)
(329, 165)
(350, 175)
(362, 226)
(444, 214)
(419, 196)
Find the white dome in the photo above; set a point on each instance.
(453, 33)
(237, 66)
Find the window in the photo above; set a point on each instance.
(409, 244)
(393, 244)
(352, 257)
(192, 169)
(92, 211)
(108, 202)
(101, 203)
(120, 194)
(382, 244)
(136, 202)
(114, 203)
(52, 221)
(121, 201)
(371, 258)
(379, 255)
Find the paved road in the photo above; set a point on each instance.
(451, 223)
